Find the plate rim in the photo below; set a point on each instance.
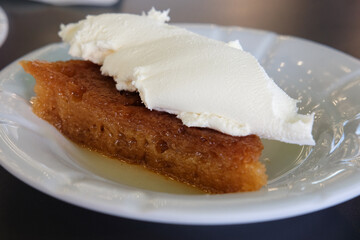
(187, 217)
(4, 22)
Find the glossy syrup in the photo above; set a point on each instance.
(279, 159)
(131, 175)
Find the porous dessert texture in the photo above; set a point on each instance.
(85, 106)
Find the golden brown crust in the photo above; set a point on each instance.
(85, 106)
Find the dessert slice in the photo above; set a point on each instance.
(86, 107)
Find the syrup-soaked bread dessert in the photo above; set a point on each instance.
(86, 107)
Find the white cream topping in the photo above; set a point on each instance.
(206, 83)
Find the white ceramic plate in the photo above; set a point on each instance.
(4, 26)
(302, 179)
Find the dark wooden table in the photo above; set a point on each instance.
(26, 213)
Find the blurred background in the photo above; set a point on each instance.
(331, 22)
(26, 213)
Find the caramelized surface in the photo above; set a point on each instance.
(86, 107)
